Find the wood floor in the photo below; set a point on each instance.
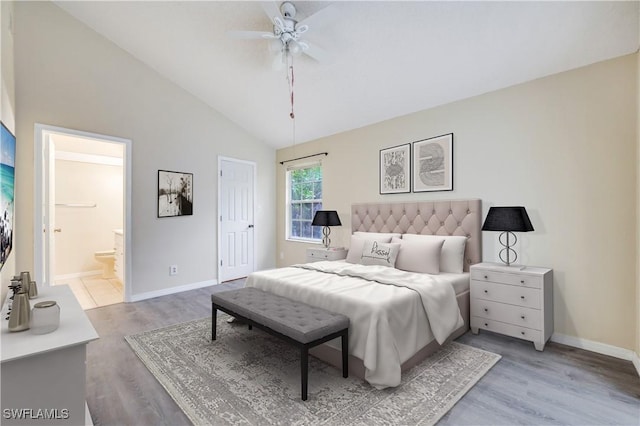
(561, 385)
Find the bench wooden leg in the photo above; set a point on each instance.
(214, 321)
(345, 354)
(250, 327)
(304, 370)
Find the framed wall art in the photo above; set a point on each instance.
(175, 193)
(395, 169)
(433, 164)
(7, 192)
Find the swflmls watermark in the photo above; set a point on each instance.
(35, 414)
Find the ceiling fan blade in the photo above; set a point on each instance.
(323, 16)
(272, 10)
(314, 51)
(250, 35)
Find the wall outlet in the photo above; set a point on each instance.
(173, 270)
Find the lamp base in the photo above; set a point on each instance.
(326, 241)
(505, 253)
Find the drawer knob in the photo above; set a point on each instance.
(486, 291)
(521, 281)
(522, 317)
(486, 277)
(486, 325)
(522, 332)
(486, 310)
(522, 297)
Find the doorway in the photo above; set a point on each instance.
(236, 213)
(83, 195)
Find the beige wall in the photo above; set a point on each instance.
(70, 76)
(638, 215)
(7, 115)
(562, 146)
(86, 230)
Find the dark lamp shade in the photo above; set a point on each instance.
(326, 218)
(507, 219)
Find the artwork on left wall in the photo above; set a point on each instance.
(7, 182)
(395, 173)
(175, 193)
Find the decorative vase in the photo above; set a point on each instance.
(33, 290)
(20, 312)
(45, 317)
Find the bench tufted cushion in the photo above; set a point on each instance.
(299, 321)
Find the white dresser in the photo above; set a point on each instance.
(118, 264)
(333, 253)
(512, 300)
(44, 376)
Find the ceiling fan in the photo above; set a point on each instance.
(287, 39)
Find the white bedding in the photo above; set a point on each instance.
(389, 322)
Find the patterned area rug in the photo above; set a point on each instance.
(252, 378)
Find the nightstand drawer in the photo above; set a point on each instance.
(315, 255)
(508, 329)
(520, 296)
(534, 281)
(511, 314)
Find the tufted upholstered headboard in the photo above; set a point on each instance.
(440, 217)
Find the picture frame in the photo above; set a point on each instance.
(175, 194)
(433, 164)
(7, 192)
(395, 169)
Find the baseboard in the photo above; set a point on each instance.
(601, 348)
(77, 275)
(636, 362)
(171, 290)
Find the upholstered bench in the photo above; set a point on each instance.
(302, 325)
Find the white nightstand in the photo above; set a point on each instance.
(333, 253)
(513, 300)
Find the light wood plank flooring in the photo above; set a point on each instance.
(561, 385)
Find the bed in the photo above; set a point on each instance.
(398, 317)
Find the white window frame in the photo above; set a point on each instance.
(288, 219)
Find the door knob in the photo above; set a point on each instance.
(250, 226)
(57, 230)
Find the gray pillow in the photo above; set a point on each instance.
(421, 255)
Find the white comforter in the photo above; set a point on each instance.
(393, 313)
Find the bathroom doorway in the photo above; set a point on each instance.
(83, 186)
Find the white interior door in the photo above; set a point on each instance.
(236, 210)
(49, 210)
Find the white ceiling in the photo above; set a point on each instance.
(388, 58)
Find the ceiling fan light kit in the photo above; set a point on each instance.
(286, 39)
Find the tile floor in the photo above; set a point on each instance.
(94, 291)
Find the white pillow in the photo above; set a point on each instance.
(375, 253)
(419, 255)
(452, 257)
(378, 236)
(355, 248)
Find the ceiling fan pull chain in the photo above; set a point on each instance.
(291, 78)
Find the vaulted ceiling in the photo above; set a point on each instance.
(387, 58)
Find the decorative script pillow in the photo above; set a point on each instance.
(357, 240)
(375, 253)
(419, 255)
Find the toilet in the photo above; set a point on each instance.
(107, 258)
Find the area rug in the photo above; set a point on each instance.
(252, 378)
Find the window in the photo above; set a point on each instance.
(304, 199)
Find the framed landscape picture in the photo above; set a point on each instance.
(175, 193)
(395, 173)
(433, 164)
(7, 183)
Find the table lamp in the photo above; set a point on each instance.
(326, 218)
(508, 220)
